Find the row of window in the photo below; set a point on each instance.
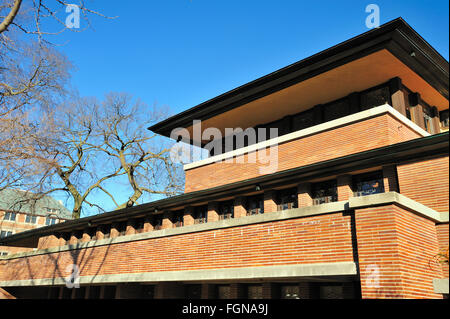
(356, 102)
(305, 290)
(30, 219)
(5, 233)
(321, 192)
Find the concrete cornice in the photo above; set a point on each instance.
(328, 208)
(248, 273)
(346, 120)
(401, 200)
(441, 286)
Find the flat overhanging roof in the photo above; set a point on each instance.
(364, 61)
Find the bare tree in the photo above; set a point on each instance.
(33, 79)
(142, 156)
(93, 143)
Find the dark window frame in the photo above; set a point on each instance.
(226, 210)
(324, 192)
(358, 182)
(258, 202)
(287, 199)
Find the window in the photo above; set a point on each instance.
(200, 214)
(122, 228)
(106, 230)
(193, 291)
(10, 216)
(287, 199)
(157, 222)
(50, 221)
(302, 120)
(331, 292)
(31, 219)
(290, 292)
(367, 184)
(428, 119)
(375, 97)
(255, 205)
(254, 292)
(223, 292)
(5, 233)
(324, 192)
(139, 225)
(336, 109)
(52, 210)
(177, 219)
(226, 210)
(443, 117)
(3, 253)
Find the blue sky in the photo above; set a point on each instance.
(180, 53)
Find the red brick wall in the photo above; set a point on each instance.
(426, 182)
(319, 239)
(358, 137)
(395, 250)
(442, 233)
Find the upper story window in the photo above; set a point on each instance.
(50, 221)
(375, 97)
(122, 228)
(9, 216)
(302, 120)
(157, 222)
(324, 192)
(200, 214)
(287, 199)
(52, 210)
(3, 253)
(368, 184)
(31, 219)
(139, 225)
(255, 205)
(336, 109)
(428, 119)
(5, 233)
(226, 210)
(443, 117)
(178, 219)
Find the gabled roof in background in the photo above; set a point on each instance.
(29, 203)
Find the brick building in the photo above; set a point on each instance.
(355, 205)
(21, 211)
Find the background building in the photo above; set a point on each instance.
(21, 211)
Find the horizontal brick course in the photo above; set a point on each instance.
(318, 239)
(426, 182)
(372, 133)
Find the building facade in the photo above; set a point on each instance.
(22, 211)
(349, 200)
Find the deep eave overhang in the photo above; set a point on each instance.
(430, 146)
(396, 36)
